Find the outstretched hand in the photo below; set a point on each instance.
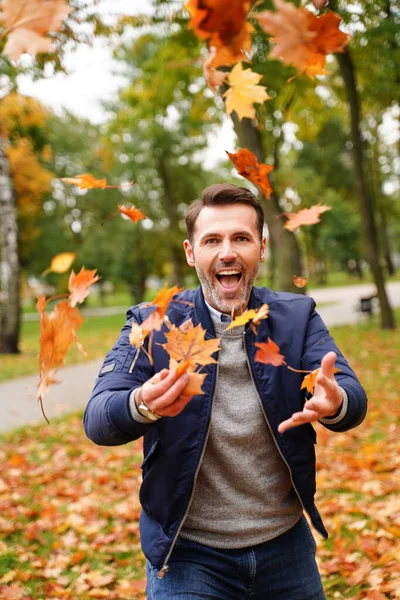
(326, 400)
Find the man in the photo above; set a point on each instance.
(228, 474)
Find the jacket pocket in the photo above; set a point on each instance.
(150, 456)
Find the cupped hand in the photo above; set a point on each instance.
(326, 400)
(162, 393)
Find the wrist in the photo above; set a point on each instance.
(142, 408)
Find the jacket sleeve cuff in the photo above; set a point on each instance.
(341, 412)
(136, 416)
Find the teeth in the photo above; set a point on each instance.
(229, 273)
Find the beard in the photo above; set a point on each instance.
(223, 300)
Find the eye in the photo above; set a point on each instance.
(211, 241)
(242, 238)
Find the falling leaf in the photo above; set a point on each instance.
(269, 353)
(299, 282)
(301, 38)
(27, 23)
(60, 263)
(224, 24)
(213, 77)
(136, 335)
(250, 315)
(130, 211)
(247, 166)
(305, 216)
(58, 331)
(88, 182)
(309, 380)
(244, 91)
(79, 284)
(262, 313)
(189, 343)
(163, 299)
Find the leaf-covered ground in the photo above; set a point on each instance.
(69, 510)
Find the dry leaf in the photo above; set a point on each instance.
(301, 38)
(244, 91)
(163, 299)
(27, 23)
(130, 211)
(305, 216)
(247, 166)
(189, 343)
(299, 282)
(193, 387)
(88, 182)
(213, 77)
(79, 284)
(58, 330)
(250, 315)
(224, 24)
(319, 3)
(269, 353)
(309, 380)
(60, 263)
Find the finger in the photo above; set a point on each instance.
(176, 407)
(299, 418)
(158, 388)
(328, 363)
(329, 385)
(159, 403)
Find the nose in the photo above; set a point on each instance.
(227, 251)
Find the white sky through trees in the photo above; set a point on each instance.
(94, 77)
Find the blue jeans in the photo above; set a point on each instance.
(281, 569)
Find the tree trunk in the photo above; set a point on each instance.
(365, 194)
(176, 253)
(9, 266)
(385, 241)
(283, 242)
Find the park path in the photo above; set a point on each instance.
(18, 404)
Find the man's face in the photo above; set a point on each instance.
(226, 253)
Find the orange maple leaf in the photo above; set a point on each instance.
(88, 182)
(224, 24)
(26, 25)
(299, 282)
(58, 330)
(269, 353)
(301, 38)
(309, 380)
(244, 92)
(188, 343)
(135, 214)
(163, 298)
(248, 166)
(79, 284)
(305, 216)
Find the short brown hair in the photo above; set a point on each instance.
(221, 194)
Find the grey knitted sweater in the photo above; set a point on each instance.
(243, 494)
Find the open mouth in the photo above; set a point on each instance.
(229, 279)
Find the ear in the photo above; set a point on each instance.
(263, 249)
(189, 253)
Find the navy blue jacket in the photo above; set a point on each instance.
(173, 446)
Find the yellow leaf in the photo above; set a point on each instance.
(244, 91)
(60, 263)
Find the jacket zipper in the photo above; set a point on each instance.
(165, 568)
(133, 363)
(269, 425)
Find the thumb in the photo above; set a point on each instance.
(328, 363)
